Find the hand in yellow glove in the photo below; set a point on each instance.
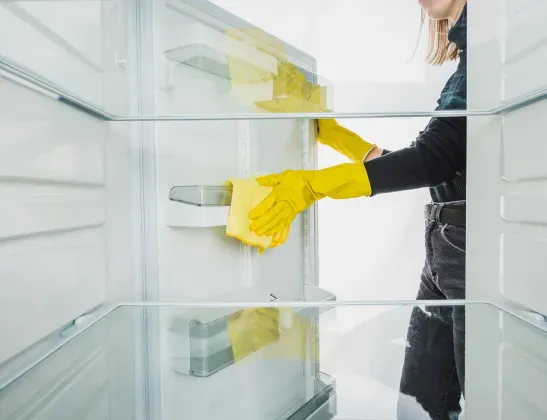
(295, 191)
(281, 237)
(344, 141)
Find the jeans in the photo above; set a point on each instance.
(434, 366)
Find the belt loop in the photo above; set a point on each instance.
(437, 213)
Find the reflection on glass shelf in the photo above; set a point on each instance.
(202, 195)
(341, 360)
(215, 61)
(201, 57)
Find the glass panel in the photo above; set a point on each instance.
(285, 361)
(202, 195)
(192, 59)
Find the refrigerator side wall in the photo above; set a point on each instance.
(67, 239)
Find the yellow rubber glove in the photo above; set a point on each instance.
(295, 191)
(344, 141)
(281, 237)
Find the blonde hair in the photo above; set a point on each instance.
(440, 49)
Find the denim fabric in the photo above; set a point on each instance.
(434, 365)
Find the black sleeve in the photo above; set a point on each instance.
(437, 155)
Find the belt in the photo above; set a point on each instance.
(445, 215)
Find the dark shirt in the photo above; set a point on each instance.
(437, 159)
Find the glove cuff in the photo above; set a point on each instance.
(367, 153)
(348, 180)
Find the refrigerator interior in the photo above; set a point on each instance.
(361, 367)
(105, 107)
(93, 223)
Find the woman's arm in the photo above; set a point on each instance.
(437, 156)
(375, 153)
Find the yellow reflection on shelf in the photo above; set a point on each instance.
(262, 75)
(287, 332)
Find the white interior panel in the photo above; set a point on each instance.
(281, 271)
(525, 48)
(528, 208)
(100, 410)
(43, 386)
(523, 143)
(67, 205)
(276, 146)
(483, 337)
(123, 217)
(524, 373)
(484, 222)
(186, 90)
(48, 141)
(83, 389)
(528, 340)
(82, 31)
(53, 172)
(517, 81)
(524, 270)
(506, 175)
(513, 7)
(48, 281)
(485, 46)
(57, 43)
(35, 208)
(126, 365)
(503, 259)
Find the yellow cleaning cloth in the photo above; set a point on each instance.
(246, 194)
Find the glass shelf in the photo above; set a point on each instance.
(200, 60)
(202, 195)
(331, 360)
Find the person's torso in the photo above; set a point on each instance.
(453, 97)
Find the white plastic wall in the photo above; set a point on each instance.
(506, 209)
(54, 257)
(197, 261)
(69, 211)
